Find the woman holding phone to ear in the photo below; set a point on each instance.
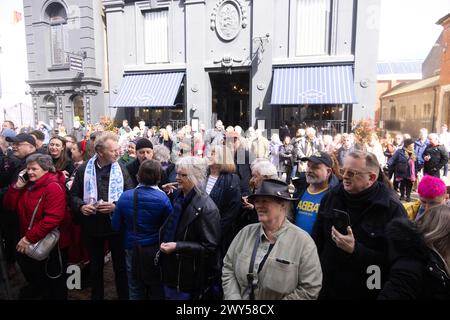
(43, 193)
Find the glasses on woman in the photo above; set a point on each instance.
(184, 175)
(351, 173)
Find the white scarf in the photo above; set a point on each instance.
(115, 188)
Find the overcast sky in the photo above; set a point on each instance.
(408, 28)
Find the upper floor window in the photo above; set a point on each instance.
(57, 18)
(313, 27)
(156, 33)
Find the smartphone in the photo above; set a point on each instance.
(25, 176)
(341, 220)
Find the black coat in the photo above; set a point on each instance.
(345, 275)
(416, 272)
(242, 160)
(133, 168)
(96, 224)
(195, 264)
(227, 197)
(439, 157)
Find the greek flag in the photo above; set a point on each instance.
(76, 63)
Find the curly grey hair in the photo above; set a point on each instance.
(43, 160)
(161, 153)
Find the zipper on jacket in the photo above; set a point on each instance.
(179, 264)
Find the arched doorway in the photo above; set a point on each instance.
(49, 112)
(78, 108)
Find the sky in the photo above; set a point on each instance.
(408, 28)
(13, 64)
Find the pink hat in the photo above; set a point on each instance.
(431, 187)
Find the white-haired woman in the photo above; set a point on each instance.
(272, 259)
(162, 155)
(190, 236)
(274, 151)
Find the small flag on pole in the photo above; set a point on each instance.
(17, 16)
(76, 63)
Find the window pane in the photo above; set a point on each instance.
(313, 21)
(156, 36)
(57, 35)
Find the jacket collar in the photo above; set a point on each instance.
(381, 197)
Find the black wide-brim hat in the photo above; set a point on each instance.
(273, 188)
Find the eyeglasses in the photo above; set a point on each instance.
(351, 173)
(184, 175)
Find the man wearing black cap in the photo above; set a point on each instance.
(144, 151)
(319, 179)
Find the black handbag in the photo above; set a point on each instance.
(143, 258)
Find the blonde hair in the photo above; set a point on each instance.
(225, 159)
(435, 227)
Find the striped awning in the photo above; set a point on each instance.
(313, 85)
(149, 90)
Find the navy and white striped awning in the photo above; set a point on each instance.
(313, 85)
(149, 90)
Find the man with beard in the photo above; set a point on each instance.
(319, 179)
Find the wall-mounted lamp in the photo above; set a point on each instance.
(194, 108)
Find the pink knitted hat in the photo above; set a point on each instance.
(431, 187)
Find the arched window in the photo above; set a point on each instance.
(393, 113)
(56, 16)
(78, 107)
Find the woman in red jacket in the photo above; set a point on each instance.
(39, 180)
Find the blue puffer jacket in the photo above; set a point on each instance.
(153, 208)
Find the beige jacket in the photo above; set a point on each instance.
(300, 279)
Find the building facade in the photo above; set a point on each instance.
(58, 34)
(424, 103)
(252, 63)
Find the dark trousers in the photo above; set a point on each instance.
(96, 249)
(406, 187)
(9, 224)
(37, 274)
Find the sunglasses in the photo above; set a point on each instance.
(351, 173)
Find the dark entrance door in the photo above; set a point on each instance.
(230, 98)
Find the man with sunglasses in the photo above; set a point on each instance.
(367, 206)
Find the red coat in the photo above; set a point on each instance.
(52, 211)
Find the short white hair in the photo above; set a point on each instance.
(264, 167)
(196, 169)
(161, 153)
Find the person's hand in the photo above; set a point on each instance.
(66, 174)
(427, 158)
(22, 245)
(344, 242)
(106, 207)
(21, 181)
(246, 204)
(88, 209)
(168, 247)
(170, 187)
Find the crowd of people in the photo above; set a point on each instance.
(227, 214)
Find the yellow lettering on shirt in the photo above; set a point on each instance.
(308, 206)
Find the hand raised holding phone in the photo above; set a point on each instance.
(22, 179)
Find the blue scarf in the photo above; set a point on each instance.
(115, 188)
(179, 205)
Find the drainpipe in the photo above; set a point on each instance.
(434, 109)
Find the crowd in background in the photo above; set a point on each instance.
(211, 207)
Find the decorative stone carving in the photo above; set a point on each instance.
(227, 19)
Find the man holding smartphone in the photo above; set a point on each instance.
(369, 205)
